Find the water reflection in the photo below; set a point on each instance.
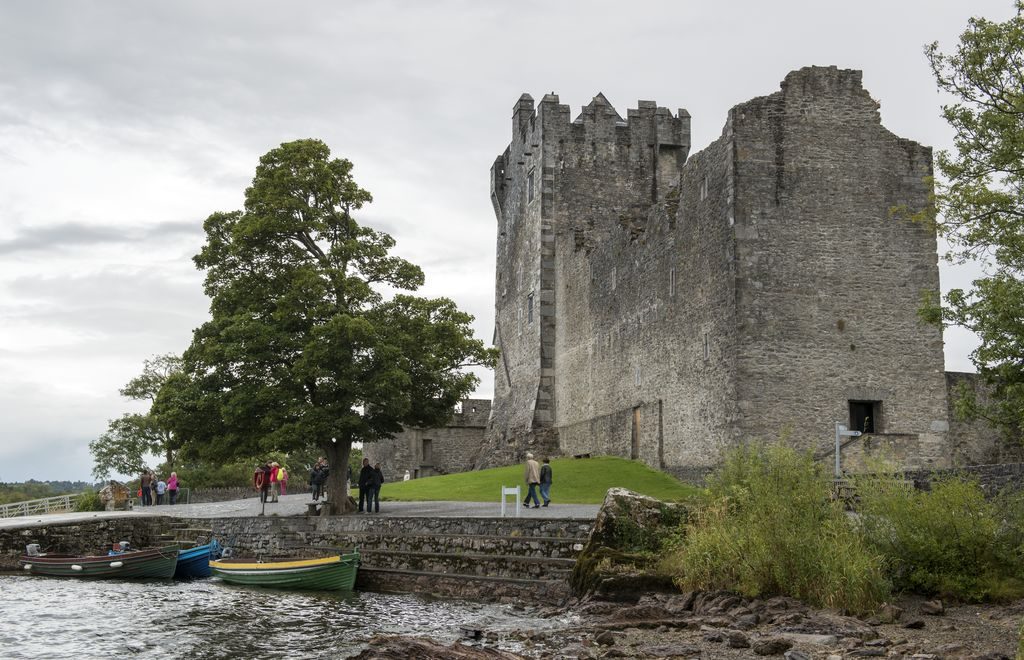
(48, 618)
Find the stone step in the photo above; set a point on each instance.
(471, 564)
(543, 527)
(473, 587)
(520, 546)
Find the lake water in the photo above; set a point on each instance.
(54, 618)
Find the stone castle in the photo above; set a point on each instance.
(664, 306)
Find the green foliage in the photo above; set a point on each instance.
(89, 501)
(575, 481)
(37, 490)
(949, 541)
(302, 351)
(123, 447)
(768, 527)
(979, 205)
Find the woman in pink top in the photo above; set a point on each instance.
(172, 487)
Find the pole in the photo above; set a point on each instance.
(839, 430)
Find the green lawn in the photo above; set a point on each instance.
(575, 481)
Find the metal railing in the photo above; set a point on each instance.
(45, 505)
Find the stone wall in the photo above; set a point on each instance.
(976, 442)
(426, 452)
(480, 558)
(92, 536)
(828, 283)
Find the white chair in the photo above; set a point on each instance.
(514, 492)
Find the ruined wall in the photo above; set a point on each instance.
(976, 442)
(828, 282)
(451, 448)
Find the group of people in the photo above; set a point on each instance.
(318, 478)
(271, 479)
(370, 481)
(151, 485)
(538, 477)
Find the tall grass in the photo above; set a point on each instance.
(948, 541)
(768, 527)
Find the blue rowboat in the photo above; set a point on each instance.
(195, 562)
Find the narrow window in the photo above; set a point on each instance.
(636, 377)
(519, 319)
(529, 186)
(864, 416)
(615, 272)
(672, 283)
(707, 347)
(458, 408)
(529, 309)
(704, 187)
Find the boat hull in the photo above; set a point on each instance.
(152, 563)
(195, 562)
(337, 572)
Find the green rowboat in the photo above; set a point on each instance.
(325, 573)
(153, 563)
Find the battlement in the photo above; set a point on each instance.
(648, 124)
(650, 143)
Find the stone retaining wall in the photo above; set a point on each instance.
(478, 558)
(93, 536)
(992, 478)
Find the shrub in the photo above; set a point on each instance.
(768, 527)
(89, 501)
(949, 541)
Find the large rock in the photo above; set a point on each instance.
(623, 546)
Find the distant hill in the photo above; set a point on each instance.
(34, 490)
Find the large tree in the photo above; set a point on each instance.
(980, 206)
(129, 439)
(303, 347)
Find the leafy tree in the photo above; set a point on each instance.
(302, 349)
(980, 207)
(129, 439)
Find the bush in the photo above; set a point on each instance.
(89, 501)
(768, 527)
(948, 541)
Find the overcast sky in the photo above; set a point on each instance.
(123, 125)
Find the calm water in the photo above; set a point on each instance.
(54, 618)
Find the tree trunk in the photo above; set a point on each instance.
(337, 454)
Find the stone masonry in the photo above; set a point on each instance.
(428, 452)
(664, 306)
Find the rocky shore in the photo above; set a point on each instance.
(722, 625)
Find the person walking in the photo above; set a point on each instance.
(261, 481)
(532, 477)
(172, 489)
(378, 481)
(275, 485)
(545, 481)
(145, 484)
(367, 477)
(282, 478)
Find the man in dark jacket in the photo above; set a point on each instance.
(367, 481)
(378, 481)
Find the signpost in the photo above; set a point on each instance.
(841, 432)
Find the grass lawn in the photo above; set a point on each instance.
(574, 481)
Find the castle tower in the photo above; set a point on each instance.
(663, 307)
